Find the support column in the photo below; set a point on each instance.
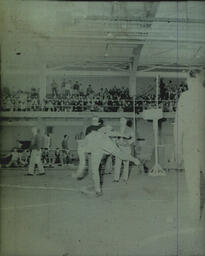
(42, 82)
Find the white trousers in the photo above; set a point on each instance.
(35, 160)
(95, 159)
(98, 145)
(118, 164)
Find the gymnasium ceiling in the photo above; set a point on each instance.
(107, 35)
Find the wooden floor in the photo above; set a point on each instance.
(48, 216)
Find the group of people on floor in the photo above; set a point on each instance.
(99, 140)
(50, 157)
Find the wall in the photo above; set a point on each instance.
(106, 82)
(21, 81)
(9, 136)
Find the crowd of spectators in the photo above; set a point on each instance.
(70, 97)
(20, 101)
(51, 157)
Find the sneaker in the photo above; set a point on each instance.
(28, 174)
(115, 181)
(41, 174)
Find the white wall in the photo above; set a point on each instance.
(9, 136)
(106, 82)
(21, 81)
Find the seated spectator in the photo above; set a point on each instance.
(58, 157)
(65, 157)
(101, 93)
(76, 88)
(24, 157)
(51, 157)
(45, 157)
(15, 159)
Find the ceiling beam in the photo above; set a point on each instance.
(117, 74)
(148, 19)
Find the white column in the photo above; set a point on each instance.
(42, 82)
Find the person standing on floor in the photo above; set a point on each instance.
(47, 141)
(35, 158)
(124, 143)
(189, 132)
(64, 144)
(99, 143)
(65, 149)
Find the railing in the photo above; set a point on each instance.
(91, 106)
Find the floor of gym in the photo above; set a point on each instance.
(49, 216)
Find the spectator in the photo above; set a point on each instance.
(54, 86)
(76, 88)
(63, 87)
(51, 157)
(24, 157)
(58, 157)
(47, 141)
(89, 90)
(64, 143)
(14, 160)
(35, 158)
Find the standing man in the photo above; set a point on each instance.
(64, 143)
(47, 140)
(99, 143)
(54, 88)
(65, 149)
(63, 87)
(96, 125)
(124, 143)
(35, 158)
(89, 90)
(189, 137)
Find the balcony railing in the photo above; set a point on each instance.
(91, 106)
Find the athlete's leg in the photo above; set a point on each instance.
(32, 162)
(117, 169)
(125, 173)
(96, 158)
(109, 146)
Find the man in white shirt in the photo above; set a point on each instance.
(35, 159)
(98, 143)
(124, 144)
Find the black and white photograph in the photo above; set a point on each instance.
(102, 128)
